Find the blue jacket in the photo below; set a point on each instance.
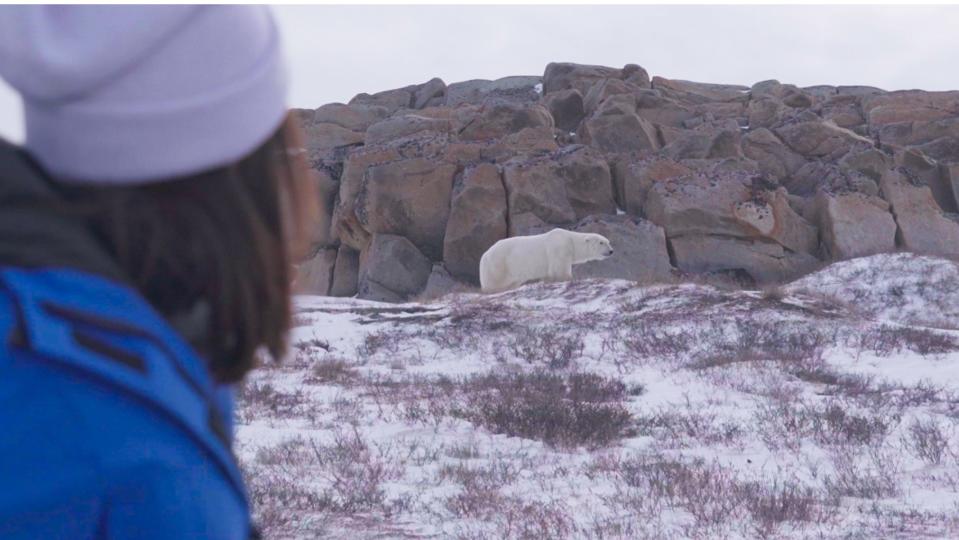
(110, 424)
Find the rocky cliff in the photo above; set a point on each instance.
(758, 184)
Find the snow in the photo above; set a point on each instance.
(369, 429)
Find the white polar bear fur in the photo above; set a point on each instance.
(512, 262)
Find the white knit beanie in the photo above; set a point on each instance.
(137, 94)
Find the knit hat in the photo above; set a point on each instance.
(138, 94)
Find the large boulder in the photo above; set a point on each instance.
(519, 89)
(559, 188)
(345, 224)
(326, 188)
(314, 275)
(398, 127)
(697, 91)
(787, 94)
(844, 111)
(321, 138)
(871, 162)
(564, 75)
(700, 203)
(765, 262)
(432, 92)
(566, 106)
(616, 127)
(588, 181)
(922, 227)
(768, 214)
(639, 250)
(499, 118)
(763, 113)
(441, 283)
(477, 220)
(943, 148)
(603, 89)
(346, 272)
(909, 106)
(816, 175)
(728, 202)
(775, 159)
(392, 100)
(704, 143)
(408, 197)
(661, 110)
(909, 133)
(633, 179)
(922, 170)
(416, 96)
(950, 178)
(533, 189)
(392, 269)
(854, 224)
(822, 139)
(352, 117)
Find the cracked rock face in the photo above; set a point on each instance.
(763, 180)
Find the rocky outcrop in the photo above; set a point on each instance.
(763, 182)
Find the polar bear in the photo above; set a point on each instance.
(550, 256)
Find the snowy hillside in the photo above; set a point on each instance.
(603, 409)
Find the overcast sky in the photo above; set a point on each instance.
(336, 52)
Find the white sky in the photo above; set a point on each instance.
(336, 52)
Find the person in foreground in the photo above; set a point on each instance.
(146, 231)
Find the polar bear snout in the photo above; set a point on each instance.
(609, 251)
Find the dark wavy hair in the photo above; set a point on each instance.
(224, 240)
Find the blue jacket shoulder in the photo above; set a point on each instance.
(112, 424)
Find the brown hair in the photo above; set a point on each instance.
(226, 237)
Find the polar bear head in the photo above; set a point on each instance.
(591, 247)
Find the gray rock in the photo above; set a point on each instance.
(409, 197)
(775, 159)
(497, 119)
(855, 225)
(564, 75)
(434, 88)
(633, 179)
(352, 117)
(397, 127)
(765, 262)
(477, 220)
(326, 188)
(922, 227)
(519, 89)
(639, 250)
(346, 272)
(616, 127)
(821, 139)
(440, 284)
(566, 106)
(314, 275)
(392, 269)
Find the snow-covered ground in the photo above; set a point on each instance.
(604, 409)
